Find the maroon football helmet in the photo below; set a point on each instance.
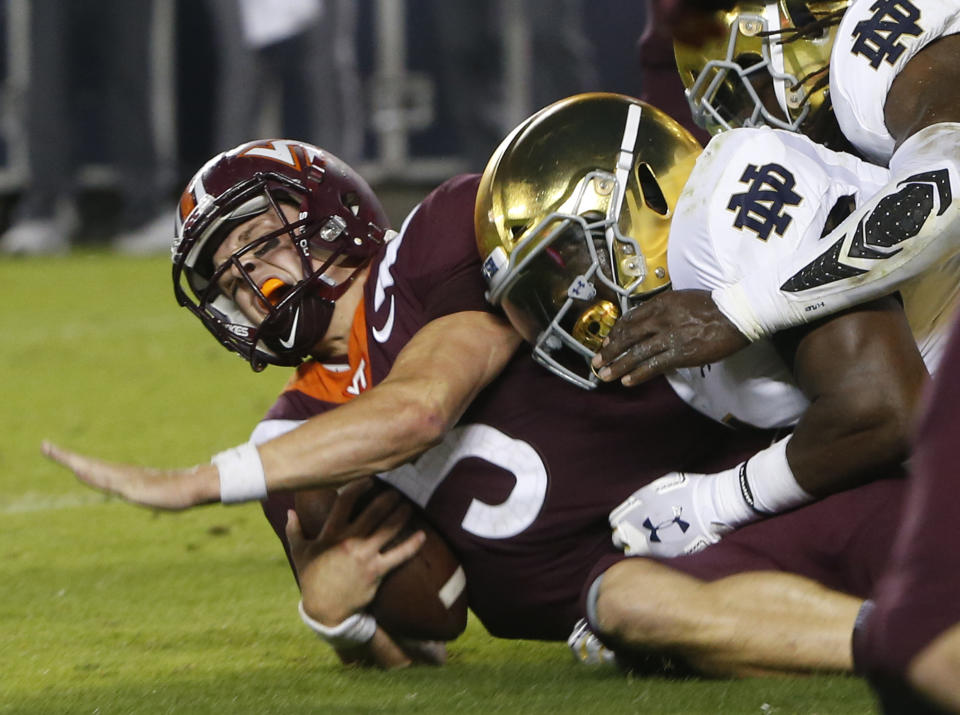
(340, 218)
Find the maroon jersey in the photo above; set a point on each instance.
(522, 486)
(918, 597)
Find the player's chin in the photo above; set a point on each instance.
(252, 308)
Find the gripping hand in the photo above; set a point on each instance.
(668, 517)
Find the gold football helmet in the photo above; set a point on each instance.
(770, 68)
(572, 218)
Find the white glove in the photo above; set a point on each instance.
(671, 516)
(587, 648)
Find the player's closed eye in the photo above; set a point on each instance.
(267, 246)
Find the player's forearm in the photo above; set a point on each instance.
(433, 381)
(378, 431)
(912, 224)
(374, 433)
(863, 375)
(832, 450)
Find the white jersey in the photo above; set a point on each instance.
(754, 196)
(874, 42)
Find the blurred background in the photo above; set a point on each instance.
(107, 108)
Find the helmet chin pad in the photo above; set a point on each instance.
(293, 331)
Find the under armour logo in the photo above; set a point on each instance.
(581, 289)
(655, 529)
(878, 37)
(760, 207)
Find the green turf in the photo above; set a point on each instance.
(107, 608)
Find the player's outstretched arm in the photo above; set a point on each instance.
(170, 489)
(433, 380)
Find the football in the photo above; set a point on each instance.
(425, 597)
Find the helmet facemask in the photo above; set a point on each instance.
(570, 277)
(297, 316)
(770, 69)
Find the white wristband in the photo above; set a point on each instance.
(771, 485)
(762, 486)
(241, 474)
(355, 630)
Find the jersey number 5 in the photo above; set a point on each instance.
(420, 479)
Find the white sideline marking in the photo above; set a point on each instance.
(453, 587)
(33, 501)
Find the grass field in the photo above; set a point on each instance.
(107, 608)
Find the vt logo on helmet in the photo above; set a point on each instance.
(269, 235)
(572, 218)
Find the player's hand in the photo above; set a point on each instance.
(666, 518)
(171, 489)
(340, 570)
(678, 328)
(424, 652)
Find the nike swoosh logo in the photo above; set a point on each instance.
(383, 333)
(288, 343)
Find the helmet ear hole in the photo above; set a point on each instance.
(650, 188)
